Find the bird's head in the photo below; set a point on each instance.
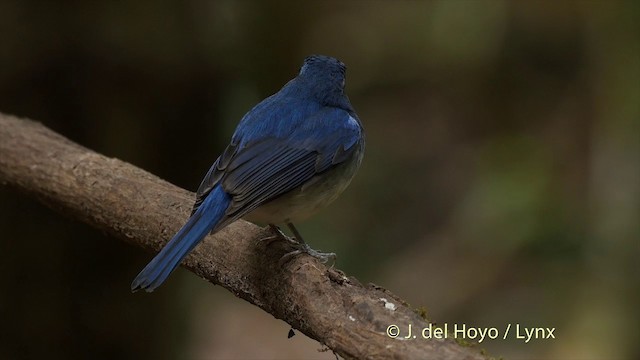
(324, 75)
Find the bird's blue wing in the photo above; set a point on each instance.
(261, 169)
(268, 119)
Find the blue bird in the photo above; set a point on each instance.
(290, 156)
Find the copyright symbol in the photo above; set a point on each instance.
(393, 331)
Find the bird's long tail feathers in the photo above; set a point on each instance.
(199, 225)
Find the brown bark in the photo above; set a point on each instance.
(112, 195)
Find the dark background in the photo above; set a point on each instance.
(501, 182)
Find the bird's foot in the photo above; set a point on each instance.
(303, 248)
(299, 246)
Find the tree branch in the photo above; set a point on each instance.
(131, 204)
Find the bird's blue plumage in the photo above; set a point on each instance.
(197, 227)
(292, 154)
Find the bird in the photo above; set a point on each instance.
(292, 154)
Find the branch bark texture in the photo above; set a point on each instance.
(134, 205)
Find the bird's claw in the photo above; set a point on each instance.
(303, 248)
(300, 248)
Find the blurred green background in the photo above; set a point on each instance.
(501, 182)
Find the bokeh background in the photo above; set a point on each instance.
(501, 182)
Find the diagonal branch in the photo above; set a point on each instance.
(338, 311)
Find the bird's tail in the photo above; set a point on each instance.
(199, 225)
